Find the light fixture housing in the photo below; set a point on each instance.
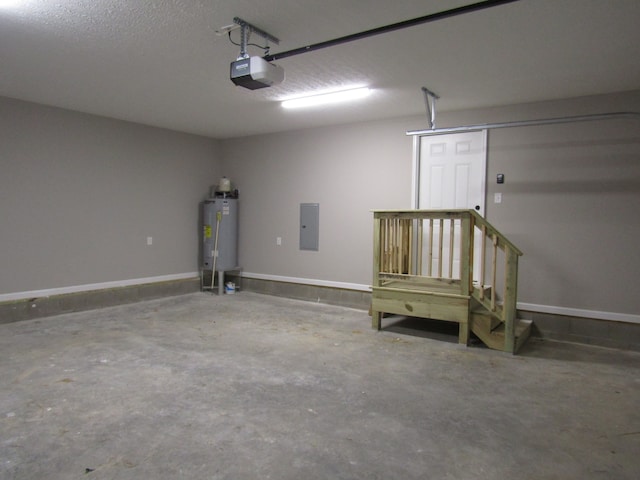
(319, 99)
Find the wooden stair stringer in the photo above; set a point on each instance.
(490, 329)
(485, 302)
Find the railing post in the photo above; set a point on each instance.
(466, 256)
(510, 299)
(376, 317)
(472, 249)
(483, 254)
(466, 270)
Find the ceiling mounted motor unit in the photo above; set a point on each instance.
(254, 73)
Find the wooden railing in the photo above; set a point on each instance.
(456, 248)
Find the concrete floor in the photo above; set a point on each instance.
(248, 386)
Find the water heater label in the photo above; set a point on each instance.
(207, 231)
(225, 210)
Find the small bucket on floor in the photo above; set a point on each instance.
(230, 288)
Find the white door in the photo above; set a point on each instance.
(451, 174)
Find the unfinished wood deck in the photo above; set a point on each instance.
(447, 265)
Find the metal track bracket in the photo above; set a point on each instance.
(246, 30)
(430, 103)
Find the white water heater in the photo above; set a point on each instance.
(220, 219)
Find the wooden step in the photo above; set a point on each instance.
(522, 332)
(484, 320)
(494, 338)
(482, 292)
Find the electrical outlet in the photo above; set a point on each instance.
(278, 241)
(497, 198)
(149, 240)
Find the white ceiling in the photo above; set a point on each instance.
(159, 62)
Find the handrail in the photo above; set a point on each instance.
(482, 221)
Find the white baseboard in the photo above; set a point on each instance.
(577, 312)
(308, 281)
(530, 307)
(5, 297)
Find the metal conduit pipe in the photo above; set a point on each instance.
(526, 123)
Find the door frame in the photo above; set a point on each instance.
(415, 169)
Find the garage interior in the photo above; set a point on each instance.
(119, 122)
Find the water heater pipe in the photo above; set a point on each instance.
(215, 249)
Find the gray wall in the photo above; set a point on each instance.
(80, 194)
(348, 170)
(570, 201)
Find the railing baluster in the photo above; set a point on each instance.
(419, 246)
(399, 246)
(410, 242)
(452, 230)
(394, 251)
(390, 245)
(386, 245)
(440, 249)
(466, 254)
(430, 265)
(404, 246)
(493, 272)
(383, 245)
(396, 244)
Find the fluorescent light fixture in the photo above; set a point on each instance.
(10, 3)
(326, 98)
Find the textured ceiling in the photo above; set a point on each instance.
(159, 62)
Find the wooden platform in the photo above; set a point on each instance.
(424, 264)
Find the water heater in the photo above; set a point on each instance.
(220, 218)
